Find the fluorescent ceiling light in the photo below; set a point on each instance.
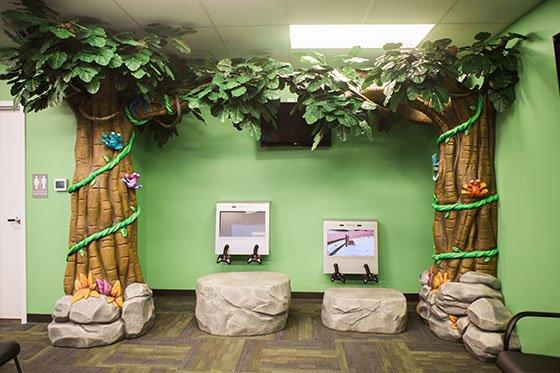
(347, 36)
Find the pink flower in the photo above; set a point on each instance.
(104, 286)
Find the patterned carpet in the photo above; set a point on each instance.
(176, 344)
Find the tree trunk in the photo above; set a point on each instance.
(105, 201)
(466, 156)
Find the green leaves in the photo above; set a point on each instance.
(132, 63)
(392, 46)
(482, 36)
(181, 46)
(491, 65)
(239, 91)
(53, 54)
(61, 32)
(58, 59)
(85, 73)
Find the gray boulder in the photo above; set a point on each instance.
(431, 298)
(488, 342)
(423, 309)
(62, 309)
(137, 289)
(94, 311)
(462, 324)
(138, 315)
(465, 292)
(375, 310)
(453, 309)
(425, 292)
(450, 306)
(444, 329)
(439, 313)
(473, 277)
(489, 314)
(242, 303)
(68, 334)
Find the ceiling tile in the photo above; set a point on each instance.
(408, 11)
(256, 37)
(326, 11)
(489, 11)
(462, 34)
(203, 39)
(104, 10)
(171, 12)
(246, 12)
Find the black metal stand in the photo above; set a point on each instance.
(337, 275)
(224, 256)
(255, 257)
(369, 276)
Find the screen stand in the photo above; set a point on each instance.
(224, 256)
(337, 275)
(255, 257)
(369, 276)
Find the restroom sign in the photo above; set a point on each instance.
(39, 184)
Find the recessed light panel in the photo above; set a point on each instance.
(347, 36)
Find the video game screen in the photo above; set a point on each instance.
(350, 242)
(242, 223)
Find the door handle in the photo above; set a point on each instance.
(17, 219)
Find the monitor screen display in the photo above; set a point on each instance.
(242, 223)
(350, 242)
(291, 130)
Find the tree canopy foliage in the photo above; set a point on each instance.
(57, 58)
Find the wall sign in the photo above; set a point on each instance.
(39, 183)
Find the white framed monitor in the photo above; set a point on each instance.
(242, 226)
(350, 244)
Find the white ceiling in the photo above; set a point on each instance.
(242, 28)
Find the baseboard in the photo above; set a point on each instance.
(177, 292)
(39, 317)
(410, 297)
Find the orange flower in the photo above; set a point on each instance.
(439, 279)
(84, 287)
(116, 295)
(453, 320)
(475, 188)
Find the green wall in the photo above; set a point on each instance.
(388, 180)
(527, 156)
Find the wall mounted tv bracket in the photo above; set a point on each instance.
(255, 257)
(369, 276)
(224, 256)
(337, 275)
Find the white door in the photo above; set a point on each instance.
(12, 209)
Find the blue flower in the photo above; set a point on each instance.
(113, 141)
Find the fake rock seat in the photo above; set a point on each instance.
(242, 303)
(364, 310)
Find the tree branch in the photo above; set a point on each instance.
(405, 110)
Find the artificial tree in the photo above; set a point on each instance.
(115, 81)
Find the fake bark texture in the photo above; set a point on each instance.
(104, 202)
(466, 156)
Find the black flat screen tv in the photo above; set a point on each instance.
(291, 130)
